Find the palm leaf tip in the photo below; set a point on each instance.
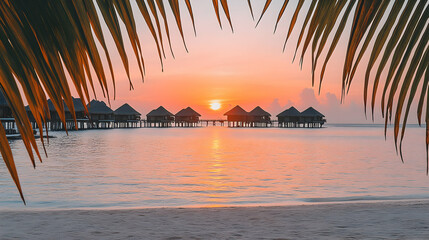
(267, 4)
(250, 8)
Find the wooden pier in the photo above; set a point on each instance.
(9, 125)
(85, 124)
(212, 122)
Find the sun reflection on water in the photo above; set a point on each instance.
(216, 183)
(212, 167)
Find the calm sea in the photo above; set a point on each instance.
(218, 166)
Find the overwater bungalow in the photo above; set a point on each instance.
(6, 116)
(53, 113)
(312, 118)
(160, 117)
(126, 116)
(78, 108)
(289, 118)
(100, 115)
(187, 117)
(258, 117)
(81, 117)
(5, 111)
(55, 122)
(237, 117)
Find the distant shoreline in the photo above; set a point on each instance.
(298, 203)
(390, 220)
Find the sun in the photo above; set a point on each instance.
(215, 105)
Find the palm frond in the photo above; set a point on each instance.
(42, 43)
(401, 41)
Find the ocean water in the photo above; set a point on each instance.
(218, 166)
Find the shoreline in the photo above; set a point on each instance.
(386, 200)
(387, 219)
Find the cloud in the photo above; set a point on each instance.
(274, 106)
(328, 104)
(308, 98)
(332, 100)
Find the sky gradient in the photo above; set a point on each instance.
(246, 67)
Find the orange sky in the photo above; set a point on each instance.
(246, 67)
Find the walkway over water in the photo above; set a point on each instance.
(83, 124)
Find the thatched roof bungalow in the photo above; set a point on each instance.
(312, 117)
(160, 117)
(99, 111)
(6, 116)
(187, 117)
(237, 117)
(55, 123)
(236, 114)
(53, 112)
(126, 113)
(79, 109)
(259, 115)
(80, 114)
(289, 117)
(5, 111)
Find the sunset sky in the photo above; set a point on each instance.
(246, 68)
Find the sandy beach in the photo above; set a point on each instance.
(387, 220)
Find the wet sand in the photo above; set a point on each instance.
(385, 220)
